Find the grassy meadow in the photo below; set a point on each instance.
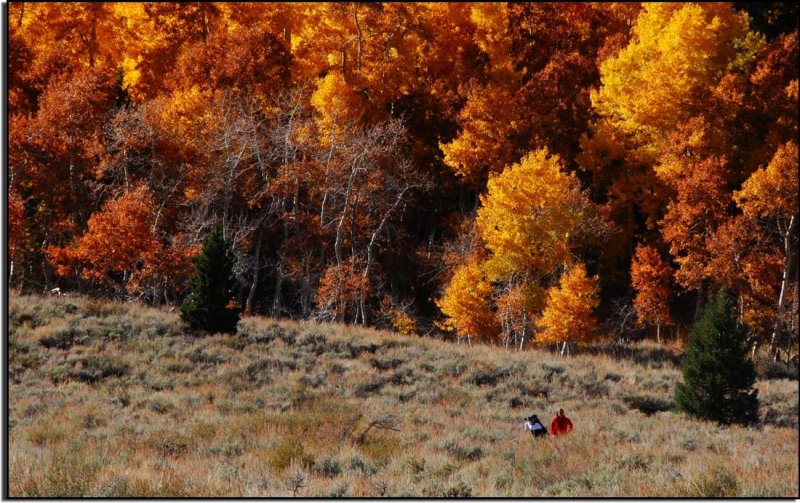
(115, 399)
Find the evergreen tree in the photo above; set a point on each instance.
(212, 287)
(718, 376)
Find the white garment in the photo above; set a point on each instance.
(533, 426)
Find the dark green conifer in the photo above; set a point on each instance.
(718, 376)
(212, 287)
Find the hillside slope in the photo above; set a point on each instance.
(113, 399)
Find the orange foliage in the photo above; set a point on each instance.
(16, 224)
(569, 313)
(120, 247)
(465, 303)
(698, 208)
(396, 139)
(340, 289)
(650, 277)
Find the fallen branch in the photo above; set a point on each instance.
(383, 423)
(350, 425)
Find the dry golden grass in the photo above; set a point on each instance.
(112, 399)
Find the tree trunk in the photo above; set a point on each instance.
(699, 302)
(277, 300)
(787, 264)
(337, 245)
(287, 38)
(327, 169)
(353, 218)
(256, 268)
(658, 333)
(359, 37)
(92, 42)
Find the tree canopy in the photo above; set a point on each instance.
(462, 161)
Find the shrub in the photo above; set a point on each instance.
(486, 377)
(110, 328)
(780, 370)
(22, 357)
(115, 488)
(358, 464)
(647, 404)
(68, 474)
(314, 341)
(353, 349)
(160, 405)
(63, 338)
(178, 367)
(634, 461)
(551, 370)
(463, 453)
(289, 337)
(30, 309)
(290, 450)
(452, 368)
(337, 368)
(402, 377)
(718, 376)
(168, 443)
(782, 419)
(262, 371)
(369, 388)
(253, 328)
(212, 287)
(168, 486)
(44, 434)
(89, 369)
(386, 364)
(200, 356)
(328, 467)
(719, 482)
(340, 491)
(459, 490)
(314, 380)
(227, 449)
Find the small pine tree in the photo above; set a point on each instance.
(212, 287)
(718, 376)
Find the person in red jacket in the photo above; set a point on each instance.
(560, 424)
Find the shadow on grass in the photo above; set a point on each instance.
(646, 356)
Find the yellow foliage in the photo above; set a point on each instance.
(131, 76)
(528, 215)
(487, 122)
(491, 35)
(677, 50)
(403, 323)
(772, 190)
(336, 103)
(569, 314)
(187, 111)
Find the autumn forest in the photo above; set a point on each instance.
(516, 174)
